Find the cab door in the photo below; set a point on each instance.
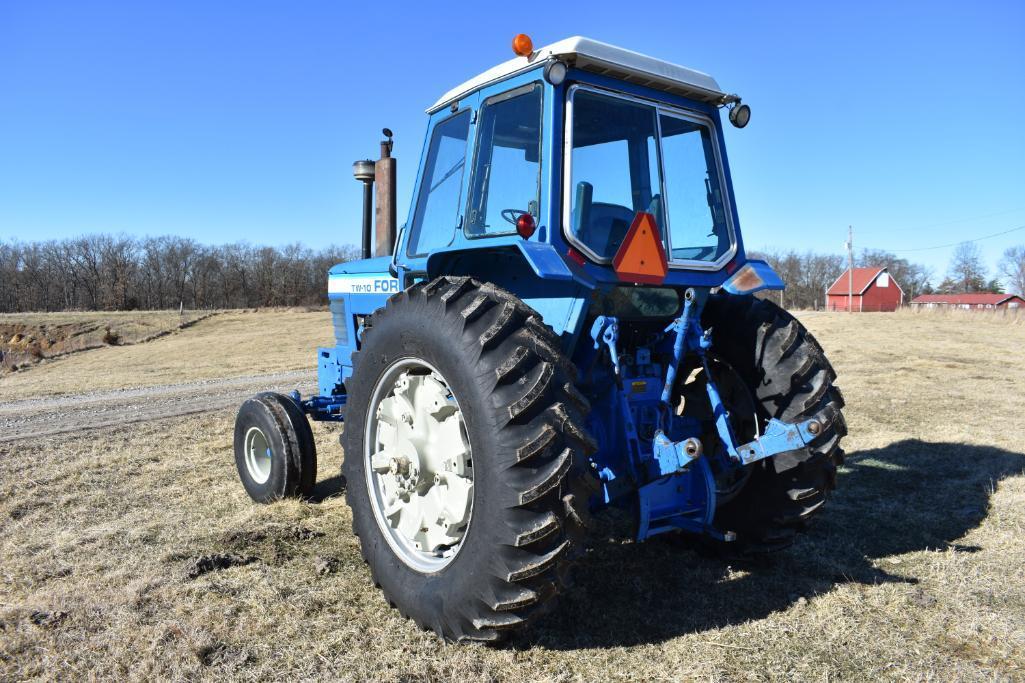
(505, 180)
(437, 213)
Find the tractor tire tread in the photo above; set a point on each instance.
(792, 381)
(544, 460)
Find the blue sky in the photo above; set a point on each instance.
(239, 121)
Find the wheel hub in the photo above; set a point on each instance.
(420, 473)
(258, 455)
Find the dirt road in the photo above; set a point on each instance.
(35, 417)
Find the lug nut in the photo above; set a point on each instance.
(814, 428)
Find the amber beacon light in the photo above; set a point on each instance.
(522, 45)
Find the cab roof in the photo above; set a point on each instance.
(607, 60)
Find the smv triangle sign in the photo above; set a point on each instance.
(641, 256)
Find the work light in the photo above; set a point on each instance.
(740, 115)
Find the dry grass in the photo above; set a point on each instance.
(229, 344)
(915, 572)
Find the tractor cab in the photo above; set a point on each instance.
(556, 153)
(565, 147)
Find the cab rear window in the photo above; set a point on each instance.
(637, 302)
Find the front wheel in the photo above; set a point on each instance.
(274, 449)
(788, 377)
(464, 455)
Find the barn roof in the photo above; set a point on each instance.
(977, 298)
(863, 277)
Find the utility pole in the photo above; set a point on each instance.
(850, 269)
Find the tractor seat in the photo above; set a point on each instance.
(607, 227)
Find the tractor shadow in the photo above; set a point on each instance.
(906, 497)
(327, 488)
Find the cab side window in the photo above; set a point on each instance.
(437, 206)
(506, 180)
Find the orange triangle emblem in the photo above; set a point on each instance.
(641, 256)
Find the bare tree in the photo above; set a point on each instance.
(120, 262)
(913, 278)
(967, 273)
(1012, 267)
(806, 276)
(9, 260)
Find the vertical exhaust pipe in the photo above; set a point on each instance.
(363, 171)
(385, 211)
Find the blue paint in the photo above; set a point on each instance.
(779, 437)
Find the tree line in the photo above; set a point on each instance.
(119, 272)
(808, 275)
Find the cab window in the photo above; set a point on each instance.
(614, 169)
(628, 157)
(506, 179)
(694, 197)
(437, 206)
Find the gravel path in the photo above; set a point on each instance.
(35, 417)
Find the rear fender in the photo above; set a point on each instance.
(532, 271)
(542, 259)
(753, 276)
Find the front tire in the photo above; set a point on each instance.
(483, 356)
(789, 378)
(274, 449)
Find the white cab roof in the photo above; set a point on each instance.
(601, 58)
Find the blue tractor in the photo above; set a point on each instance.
(565, 324)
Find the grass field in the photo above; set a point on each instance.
(916, 570)
(229, 344)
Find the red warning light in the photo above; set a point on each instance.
(522, 45)
(525, 225)
(641, 256)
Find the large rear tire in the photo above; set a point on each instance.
(789, 378)
(456, 351)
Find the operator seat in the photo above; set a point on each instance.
(601, 225)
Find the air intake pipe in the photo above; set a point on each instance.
(363, 171)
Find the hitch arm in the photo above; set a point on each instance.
(779, 437)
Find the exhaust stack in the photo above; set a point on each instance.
(385, 211)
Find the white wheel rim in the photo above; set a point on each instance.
(258, 455)
(418, 465)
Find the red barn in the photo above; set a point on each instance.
(874, 290)
(974, 300)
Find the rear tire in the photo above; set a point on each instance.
(790, 379)
(523, 420)
(274, 449)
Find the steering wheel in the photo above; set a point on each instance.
(512, 215)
